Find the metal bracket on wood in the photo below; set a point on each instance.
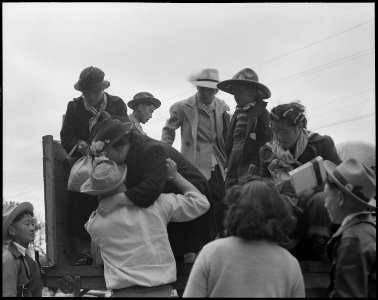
(69, 285)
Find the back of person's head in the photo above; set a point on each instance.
(256, 211)
(294, 113)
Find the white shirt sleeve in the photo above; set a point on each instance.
(183, 208)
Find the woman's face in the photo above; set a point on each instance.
(93, 96)
(286, 135)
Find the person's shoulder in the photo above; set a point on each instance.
(318, 138)
(113, 98)
(222, 103)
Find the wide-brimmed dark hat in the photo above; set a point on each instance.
(108, 132)
(143, 97)
(355, 179)
(245, 77)
(10, 212)
(91, 78)
(107, 178)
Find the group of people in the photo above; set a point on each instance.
(224, 202)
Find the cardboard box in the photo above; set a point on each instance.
(308, 175)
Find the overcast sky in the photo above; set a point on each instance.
(320, 53)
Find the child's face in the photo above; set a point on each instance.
(23, 231)
(244, 94)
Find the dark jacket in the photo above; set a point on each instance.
(76, 121)
(16, 273)
(317, 145)
(147, 179)
(258, 126)
(352, 250)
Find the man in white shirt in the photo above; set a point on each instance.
(138, 259)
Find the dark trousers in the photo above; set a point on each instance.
(218, 191)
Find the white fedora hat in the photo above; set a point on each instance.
(208, 78)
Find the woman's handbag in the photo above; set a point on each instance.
(79, 173)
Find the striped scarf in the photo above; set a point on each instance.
(241, 121)
(97, 113)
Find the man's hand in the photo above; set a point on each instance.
(172, 168)
(83, 147)
(111, 203)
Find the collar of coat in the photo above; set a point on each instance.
(362, 218)
(218, 103)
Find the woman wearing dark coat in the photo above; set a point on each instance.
(79, 124)
(292, 146)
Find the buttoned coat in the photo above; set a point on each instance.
(184, 114)
(352, 250)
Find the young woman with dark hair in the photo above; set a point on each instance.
(292, 146)
(250, 262)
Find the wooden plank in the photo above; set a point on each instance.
(314, 266)
(49, 195)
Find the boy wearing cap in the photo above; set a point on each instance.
(79, 125)
(350, 188)
(21, 268)
(138, 259)
(249, 129)
(143, 105)
(204, 121)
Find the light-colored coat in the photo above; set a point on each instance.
(184, 114)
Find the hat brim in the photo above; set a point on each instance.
(119, 187)
(206, 84)
(8, 221)
(330, 168)
(226, 86)
(133, 103)
(104, 85)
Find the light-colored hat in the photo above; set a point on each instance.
(208, 78)
(10, 212)
(246, 77)
(91, 78)
(354, 178)
(107, 178)
(143, 97)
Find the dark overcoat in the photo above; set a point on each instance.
(147, 179)
(352, 250)
(76, 127)
(76, 121)
(318, 145)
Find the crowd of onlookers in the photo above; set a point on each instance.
(225, 202)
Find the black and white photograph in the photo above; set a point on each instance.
(159, 149)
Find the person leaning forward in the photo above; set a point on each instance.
(82, 115)
(204, 121)
(249, 128)
(147, 179)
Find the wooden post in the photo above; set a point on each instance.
(49, 193)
